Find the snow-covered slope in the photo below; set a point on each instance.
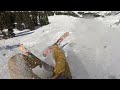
(111, 18)
(92, 49)
(112, 21)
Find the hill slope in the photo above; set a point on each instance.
(92, 49)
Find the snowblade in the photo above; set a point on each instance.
(46, 66)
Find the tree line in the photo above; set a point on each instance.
(28, 19)
(22, 19)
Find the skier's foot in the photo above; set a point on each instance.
(23, 49)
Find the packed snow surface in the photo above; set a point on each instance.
(92, 47)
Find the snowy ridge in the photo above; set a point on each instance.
(111, 18)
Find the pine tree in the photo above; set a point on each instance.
(1, 21)
(9, 19)
(43, 18)
(28, 20)
(19, 20)
(34, 17)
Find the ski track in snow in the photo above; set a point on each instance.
(92, 50)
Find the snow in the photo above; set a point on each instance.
(92, 49)
(110, 20)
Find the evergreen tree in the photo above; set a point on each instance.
(19, 20)
(9, 19)
(34, 17)
(1, 21)
(43, 18)
(28, 20)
